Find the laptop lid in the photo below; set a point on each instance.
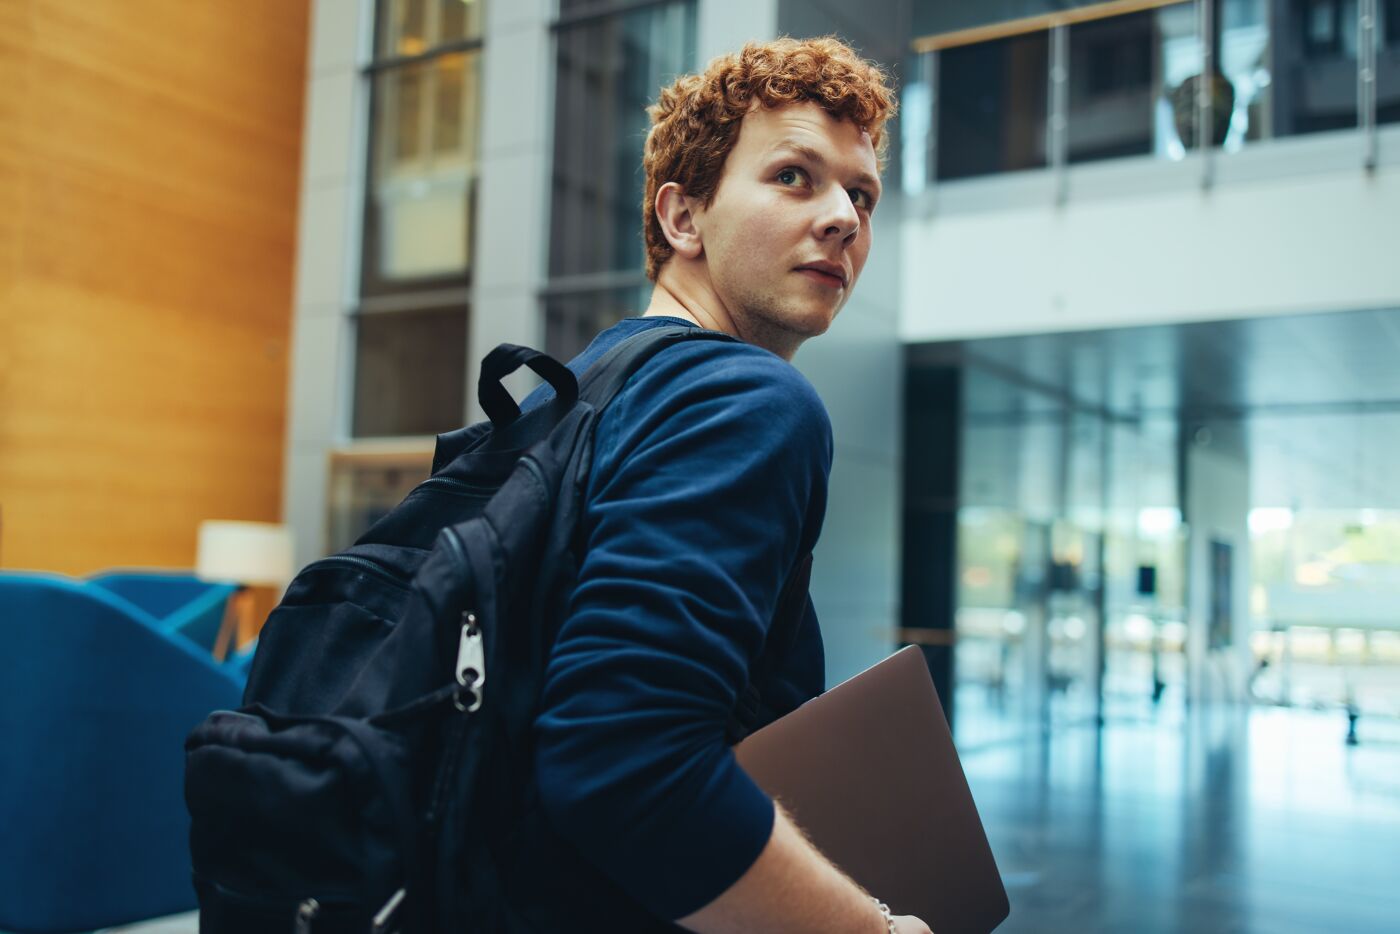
(869, 772)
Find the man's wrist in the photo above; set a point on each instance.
(885, 915)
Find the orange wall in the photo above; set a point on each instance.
(149, 166)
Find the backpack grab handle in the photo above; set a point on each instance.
(496, 401)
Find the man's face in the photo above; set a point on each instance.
(788, 230)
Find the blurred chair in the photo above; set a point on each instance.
(252, 556)
(181, 602)
(95, 702)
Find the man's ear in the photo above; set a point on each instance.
(673, 212)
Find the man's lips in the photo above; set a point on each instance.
(827, 275)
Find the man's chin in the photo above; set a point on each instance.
(815, 321)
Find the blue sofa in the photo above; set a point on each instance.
(179, 601)
(96, 698)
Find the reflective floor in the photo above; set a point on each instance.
(1218, 820)
(1221, 819)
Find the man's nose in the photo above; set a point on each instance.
(839, 218)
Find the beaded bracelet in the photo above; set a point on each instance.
(885, 910)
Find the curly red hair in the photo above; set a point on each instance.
(696, 120)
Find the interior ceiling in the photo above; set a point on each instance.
(1317, 396)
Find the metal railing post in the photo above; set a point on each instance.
(1205, 103)
(1057, 126)
(1366, 80)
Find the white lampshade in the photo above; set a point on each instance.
(258, 554)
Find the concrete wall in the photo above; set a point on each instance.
(513, 204)
(332, 180)
(858, 369)
(1290, 225)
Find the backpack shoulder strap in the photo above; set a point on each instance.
(605, 378)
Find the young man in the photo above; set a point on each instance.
(708, 489)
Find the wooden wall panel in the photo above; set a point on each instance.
(149, 173)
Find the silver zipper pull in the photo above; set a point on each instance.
(471, 662)
(306, 912)
(385, 921)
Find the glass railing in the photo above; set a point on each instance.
(1142, 78)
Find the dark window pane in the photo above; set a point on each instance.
(412, 27)
(573, 7)
(365, 487)
(1388, 63)
(1112, 63)
(449, 105)
(423, 150)
(607, 72)
(571, 321)
(409, 372)
(1315, 66)
(992, 100)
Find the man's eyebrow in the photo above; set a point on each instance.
(812, 155)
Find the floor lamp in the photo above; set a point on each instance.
(249, 554)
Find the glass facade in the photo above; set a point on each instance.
(1245, 59)
(409, 368)
(573, 318)
(364, 487)
(1388, 61)
(1133, 80)
(1116, 79)
(1316, 64)
(1070, 555)
(411, 323)
(992, 107)
(608, 70)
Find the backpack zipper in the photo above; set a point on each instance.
(471, 665)
(364, 564)
(460, 487)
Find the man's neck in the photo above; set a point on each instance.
(681, 295)
(677, 295)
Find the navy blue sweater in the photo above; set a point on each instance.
(709, 481)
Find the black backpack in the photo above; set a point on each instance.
(384, 749)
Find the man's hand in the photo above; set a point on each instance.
(793, 887)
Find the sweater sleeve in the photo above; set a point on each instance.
(709, 481)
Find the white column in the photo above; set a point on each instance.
(327, 264)
(512, 210)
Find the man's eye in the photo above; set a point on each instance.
(861, 198)
(790, 176)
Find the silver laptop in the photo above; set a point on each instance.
(869, 771)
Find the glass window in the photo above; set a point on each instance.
(608, 71)
(992, 101)
(1132, 83)
(419, 206)
(413, 27)
(1113, 65)
(1315, 87)
(411, 328)
(572, 319)
(364, 487)
(1244, 58)
(1388, 62)
(409, 372)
